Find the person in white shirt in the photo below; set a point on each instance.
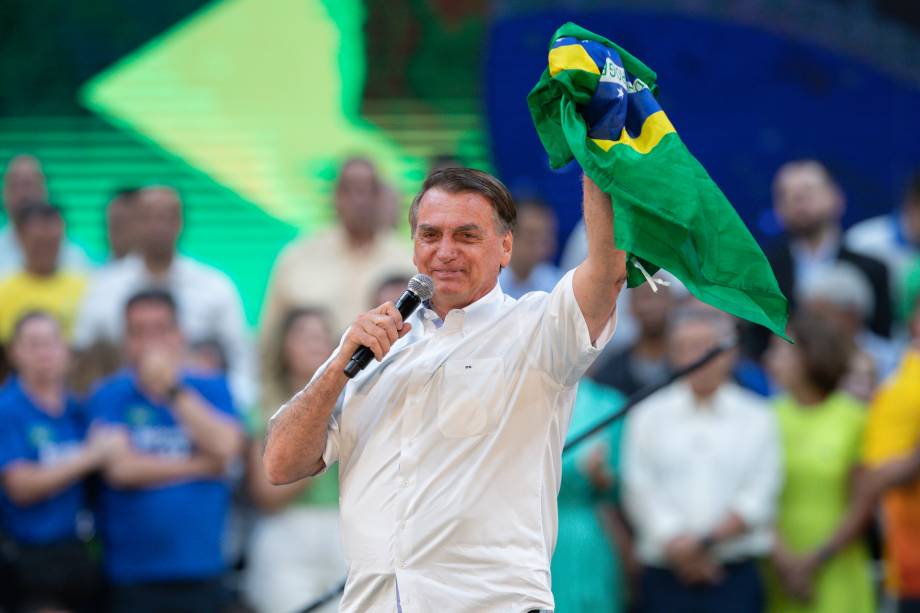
(531, 268)
(24, 183)
(449, 446)
(209, 304)
(701, 476)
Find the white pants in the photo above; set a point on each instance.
(295, 556)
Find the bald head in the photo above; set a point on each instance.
(159, 218)
(23, 182)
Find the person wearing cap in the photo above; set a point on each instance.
(449, 446)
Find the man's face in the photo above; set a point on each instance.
(534, 239)
(357, 198)
(805, 199)
(121, 227)
(151, 326)
(24, 182)
(307, 344)
(689, 342)
(159, 219)
(39, 350)
(40, 239)
(651, 309)
(459, 246)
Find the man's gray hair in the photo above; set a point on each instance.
(842, 285)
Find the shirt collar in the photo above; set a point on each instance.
(467, 318)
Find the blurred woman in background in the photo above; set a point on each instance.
(816, 565)
(296, 552)
(45, 454)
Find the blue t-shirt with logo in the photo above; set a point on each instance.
(167, 532)
(29, 434)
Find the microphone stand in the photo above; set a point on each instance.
(578, 439)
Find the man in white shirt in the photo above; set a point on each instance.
(209, 304)
(24, 183)
(449, 447)
(701, 476)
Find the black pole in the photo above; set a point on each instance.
(578, 439)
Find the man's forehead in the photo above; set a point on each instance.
(440, 208)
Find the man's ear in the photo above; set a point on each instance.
(507, 244)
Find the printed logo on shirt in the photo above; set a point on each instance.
(138, 416)
(53, 453)
(39, 436)
(169, 441)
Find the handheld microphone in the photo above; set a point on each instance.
(421, 288)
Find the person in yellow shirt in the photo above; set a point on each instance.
(892, 445)
(40, 285)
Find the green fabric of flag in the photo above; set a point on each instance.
(596, 103)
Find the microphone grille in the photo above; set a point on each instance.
(422, 286)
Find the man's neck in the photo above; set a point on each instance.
(650, 347)
(359, 241)
(41, 273)
(822, 239)
(522, 270)
(48, 393)
(158, 266)
(806, 395)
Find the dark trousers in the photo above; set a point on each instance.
(56, 575)
(909, 605)
(205, 596)
(741, 591)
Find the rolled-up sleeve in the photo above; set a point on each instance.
(565, 349)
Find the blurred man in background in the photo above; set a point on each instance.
(701, 475)
(209, 304)
(893, 238)
(44, 456)
(531, 268)
(810, 205)
(121, 223)
(336, 269)
(645, 360)
(41, 284)
(24, 183)
(163, 506)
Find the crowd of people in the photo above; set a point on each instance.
(135, 399)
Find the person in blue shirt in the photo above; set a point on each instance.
(45, 454)
(164, 499)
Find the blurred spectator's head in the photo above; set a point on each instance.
(159, 219)
(306, 342)
(40, 230)
(208, 356)
(818, 361)
(695, 330)
(806, 198)
(357, 198)
(151, 324)
(534, 236)
(652, 310)
(121, 222)
(389, 290)
(23, 182)
(842, 294)
(910, 210)
(38, 351)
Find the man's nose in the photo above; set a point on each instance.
(446, 250)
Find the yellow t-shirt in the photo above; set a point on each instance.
(22, 292)
(894, 431)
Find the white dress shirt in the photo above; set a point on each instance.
(208, 303)
(450, 456)
(686, 466)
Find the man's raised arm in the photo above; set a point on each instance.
(599, 279)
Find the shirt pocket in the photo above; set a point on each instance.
(469, 396)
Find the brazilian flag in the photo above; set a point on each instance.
(596, 103)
